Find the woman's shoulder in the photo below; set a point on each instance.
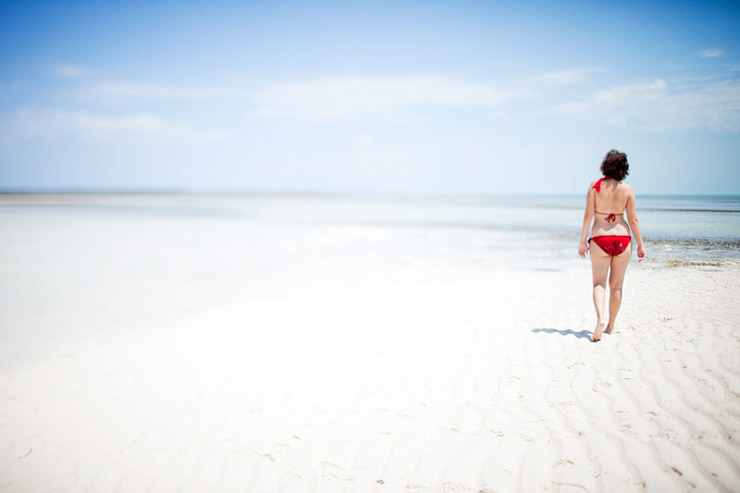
(626, 191)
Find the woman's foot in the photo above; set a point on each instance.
(597, 332)
(609, 329)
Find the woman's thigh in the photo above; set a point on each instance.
(600, 262)
(619, 265)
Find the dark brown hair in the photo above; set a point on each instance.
(615, 165)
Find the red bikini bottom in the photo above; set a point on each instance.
(612, 245)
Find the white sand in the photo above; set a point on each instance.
(175, 355)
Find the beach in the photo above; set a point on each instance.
(210, 344)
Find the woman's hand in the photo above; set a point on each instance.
(641, 253)
(582, 249)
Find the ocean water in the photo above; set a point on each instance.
(539, 232)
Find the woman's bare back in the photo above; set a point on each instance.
(611, 199)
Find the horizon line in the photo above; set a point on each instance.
(318, 193)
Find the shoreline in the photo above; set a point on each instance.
(498, 224)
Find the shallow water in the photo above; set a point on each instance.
(538, 232)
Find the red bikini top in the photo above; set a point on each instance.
(610, 216)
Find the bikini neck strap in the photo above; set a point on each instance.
(597, 185)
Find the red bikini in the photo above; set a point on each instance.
(611, 245)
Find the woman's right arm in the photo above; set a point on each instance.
(635, 224)
(588, 215)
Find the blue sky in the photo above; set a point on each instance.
(463, 97)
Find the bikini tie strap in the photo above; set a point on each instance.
(597, 185)
(611, 218)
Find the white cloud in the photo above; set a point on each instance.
(349, 97)
(656, 105)
(565, 77)
(714, 53)
(117, 91)
(71, 71)
(619, 94)
(325, 98)
(660, 106)
(30, 124)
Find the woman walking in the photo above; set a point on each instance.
(610, 245)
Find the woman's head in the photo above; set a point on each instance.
(615, 165)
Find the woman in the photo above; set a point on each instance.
(610, 246)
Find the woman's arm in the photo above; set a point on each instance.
(588, 215)
(635, 224)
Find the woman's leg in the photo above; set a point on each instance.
(600, 262)
(616, 279)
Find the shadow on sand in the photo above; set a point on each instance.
(584, 334)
